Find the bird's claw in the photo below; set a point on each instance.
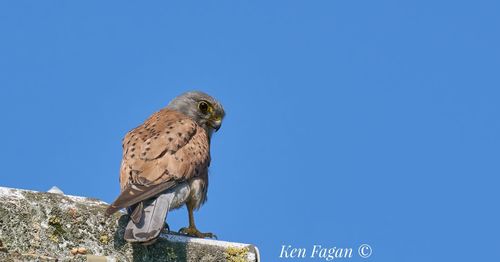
(194, 232)
(166, 228)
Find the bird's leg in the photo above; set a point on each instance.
(192, 230)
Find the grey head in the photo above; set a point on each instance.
(205, 110)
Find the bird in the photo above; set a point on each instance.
(165, 165)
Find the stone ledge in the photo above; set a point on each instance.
(40, 226)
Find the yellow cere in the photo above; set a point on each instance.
(217, 117)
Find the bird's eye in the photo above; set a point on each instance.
(203, 106)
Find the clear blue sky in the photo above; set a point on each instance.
(348, 122)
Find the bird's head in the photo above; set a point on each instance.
(202, 108)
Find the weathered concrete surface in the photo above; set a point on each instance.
(37, 226)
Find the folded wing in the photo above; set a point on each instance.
(167, 149)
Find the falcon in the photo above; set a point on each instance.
(165, 166)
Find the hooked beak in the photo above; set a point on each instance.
(215, 124)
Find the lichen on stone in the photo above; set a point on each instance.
(36, 226)
(104, 239)
(236, 254)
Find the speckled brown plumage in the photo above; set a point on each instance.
(165, 165)
(168, 148)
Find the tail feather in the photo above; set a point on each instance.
(152, 220)
(147, 217)
(137, 213)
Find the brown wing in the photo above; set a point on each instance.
(168, 148)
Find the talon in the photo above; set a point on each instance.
(167, 227)
(193, 232)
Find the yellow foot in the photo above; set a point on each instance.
(193, 232)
